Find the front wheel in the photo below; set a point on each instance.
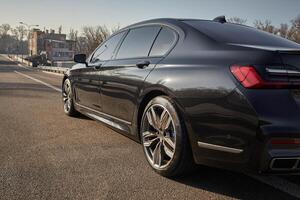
(164, 139)
(68, 98)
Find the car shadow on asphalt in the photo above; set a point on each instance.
(231, 184)
(83, 117)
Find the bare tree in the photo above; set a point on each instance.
(284, 30)
(80, 42)
(82, 45)
(5, 38)
(95, 36)
(295, 29)
(237, 20)
(22, 32)
(115, 28)
(73, 34)
(265, 26)
(60, 29)
(296, 22)
(4, 29)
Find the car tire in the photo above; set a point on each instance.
(164, 139)
(67, 95)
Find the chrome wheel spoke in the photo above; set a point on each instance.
(169, 152)
(152, 118)
(169, 142)
(66, 96)
(66, 106)
(150, 138)
(157, 155)
(165, 120)
(66, 87)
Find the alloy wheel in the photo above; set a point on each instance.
(158, 136)
(67, 95)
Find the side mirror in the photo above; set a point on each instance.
(80, 58)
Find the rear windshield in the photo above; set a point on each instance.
(239, 34)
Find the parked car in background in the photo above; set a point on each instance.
(195, 91)
(37, 60)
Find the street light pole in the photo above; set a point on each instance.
(29, 30)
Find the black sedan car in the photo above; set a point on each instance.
(195, 91)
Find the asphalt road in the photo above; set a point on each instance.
(45, 154)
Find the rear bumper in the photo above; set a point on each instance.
(278, 112)
(280, 159)
(235, 131)
(264, 158)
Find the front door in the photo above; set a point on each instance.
(87, 86)
(88, 80)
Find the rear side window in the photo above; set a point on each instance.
(106, 50)
(138, 42)
(163, 43)
(239, 34)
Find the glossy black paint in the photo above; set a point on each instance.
(214, 107)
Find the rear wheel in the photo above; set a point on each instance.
(68, 99)
(164, 139)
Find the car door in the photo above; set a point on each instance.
(87, 86)
(124, 76)
(87, 83)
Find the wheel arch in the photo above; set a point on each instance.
(151, 94)
(142, 105)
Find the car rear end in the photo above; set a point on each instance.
(271, 84)
(274, 92)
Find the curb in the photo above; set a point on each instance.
(59, 70)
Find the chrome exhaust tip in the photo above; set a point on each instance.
(285, 164)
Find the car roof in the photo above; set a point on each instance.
(160, 20)
(173, 21)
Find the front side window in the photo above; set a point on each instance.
(106, 50)
(138, 42)
(163, 43)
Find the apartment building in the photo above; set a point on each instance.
(54, 45)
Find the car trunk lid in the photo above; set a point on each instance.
(291, 61)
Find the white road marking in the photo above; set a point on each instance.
(279, 184)
(24, 67)
(39, 81)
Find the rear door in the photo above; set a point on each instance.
(124, 76)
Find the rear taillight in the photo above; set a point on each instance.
(250, 78)
(285, 141)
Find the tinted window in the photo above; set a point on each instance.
(105, 51)
(233, 33)
(138, 42)
(163, 42)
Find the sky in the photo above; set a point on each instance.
(78, 13)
